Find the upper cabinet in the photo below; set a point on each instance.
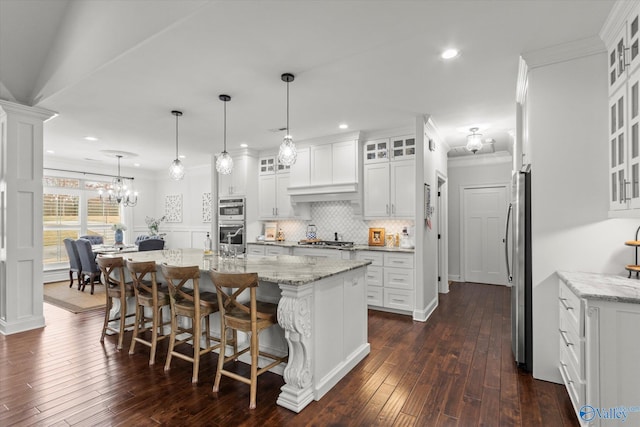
(389, 178)
(273, 199)
(236, 182)
(385, 149)
(328, 168)
(622, 38)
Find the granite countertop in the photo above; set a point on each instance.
(605, 287)
(290, 244)
(286, 269)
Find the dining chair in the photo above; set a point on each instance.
(152, 295)
(150, 245)
(116, 286)
(251, 319)
(90, 272)
(95, 239)
(75, 265)
(192, 304)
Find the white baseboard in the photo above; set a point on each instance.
(454, 277)
(424, 314)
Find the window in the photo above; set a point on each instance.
(73, 208)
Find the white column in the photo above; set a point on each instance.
(21, 134)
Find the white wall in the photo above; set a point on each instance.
(567, 131)
(483, 171)
(189, 233)
(433, 165)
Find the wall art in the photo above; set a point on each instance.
(173, 208)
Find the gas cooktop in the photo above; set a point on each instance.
(338, 243)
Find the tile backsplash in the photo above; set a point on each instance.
(337, 217)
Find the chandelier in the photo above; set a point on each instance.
(118, 191)
(474, 141)
(176, 169)
(224, 163)
(287, 154)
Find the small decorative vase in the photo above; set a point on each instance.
(119, 237)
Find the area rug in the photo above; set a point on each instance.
(73, 300)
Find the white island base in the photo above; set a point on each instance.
(325, 324)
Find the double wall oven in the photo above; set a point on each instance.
(232, 224)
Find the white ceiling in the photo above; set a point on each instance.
(116, 69)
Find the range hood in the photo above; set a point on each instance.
(349, 192)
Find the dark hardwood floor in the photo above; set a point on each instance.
(454, 370)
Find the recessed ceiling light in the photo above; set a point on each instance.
(90, 138)
(50, 151)
(182, 156)
(243, 145)
(343, 126)
(449, 53)
(136, 165)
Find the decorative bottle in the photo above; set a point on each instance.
(208, 245)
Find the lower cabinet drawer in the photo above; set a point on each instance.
(576, 386)
(374, 296)
(374, 276)
(571, 342)
(399, 299)
(276, 250)
(398, 278)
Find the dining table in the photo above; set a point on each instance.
(322, 313)
(113, 249)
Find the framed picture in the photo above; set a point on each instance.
(376, 237)
(270, 231)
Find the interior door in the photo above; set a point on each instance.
(483, 234)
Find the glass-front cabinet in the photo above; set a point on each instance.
(623, 60)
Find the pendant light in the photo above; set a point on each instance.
(287, 154)
(224, 163)
(176, 170)
(474, 141)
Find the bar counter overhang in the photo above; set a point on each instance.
(322, 309)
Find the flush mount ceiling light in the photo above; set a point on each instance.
(176, 169)
(449, 54)
(474, 141)
(287, 154)
(224, 162)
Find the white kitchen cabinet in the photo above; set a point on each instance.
(385, 149)
(300, 171)
(255, 249)
(236, 182)
(317, 252)
(326, 168)
(389, 189)
(273, 250)
(598, 356)
(622, 39)
(273, 200)
(390, 279)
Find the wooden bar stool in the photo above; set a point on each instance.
(249, 319)
(193, 304)
(150, 294)
(115, 287)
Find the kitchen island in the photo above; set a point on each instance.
(322, 309)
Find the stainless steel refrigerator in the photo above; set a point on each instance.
(518, 258)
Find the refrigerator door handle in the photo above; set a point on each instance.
(506, 243)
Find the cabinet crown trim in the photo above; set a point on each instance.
(564, 52)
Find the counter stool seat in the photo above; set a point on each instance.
(152, 295)
(251, 319)
(194, 305)
(115, 287)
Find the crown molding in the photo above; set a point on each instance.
(480, 160)
(563, 52)
(616, 19)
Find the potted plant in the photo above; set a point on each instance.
(154, 224)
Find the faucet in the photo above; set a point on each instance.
(229, 235)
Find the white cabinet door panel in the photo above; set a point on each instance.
(321, 165)
(344, 160)
(403, 188)
(376, 190)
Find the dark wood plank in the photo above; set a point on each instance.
(455, 369)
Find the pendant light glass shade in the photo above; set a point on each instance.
(176, 169)
(287, 154)
(224, 162)
(474, 141)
